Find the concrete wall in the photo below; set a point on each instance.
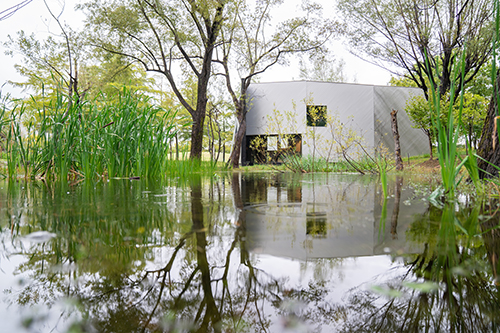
(280, 107)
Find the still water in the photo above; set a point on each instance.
(244, 253)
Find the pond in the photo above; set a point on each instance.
(254, 252)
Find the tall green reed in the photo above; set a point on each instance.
(448, 134)
(4, 122)
(91, 139)
(496, 59)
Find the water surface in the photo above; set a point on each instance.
(244, 253)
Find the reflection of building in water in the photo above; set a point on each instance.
(316, 221)
(325, 216)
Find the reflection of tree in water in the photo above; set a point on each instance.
(205, 283)
(218, 290)
(446, 288)
(143, 261)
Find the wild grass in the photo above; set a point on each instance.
(448, 137)
(94, 139)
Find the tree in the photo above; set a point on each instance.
(323, 68)
(172, 37)
(47, 70)
(404, 33)
(420, 112)
(249, 49)
(111, 72)
(418, 109)
(54, 57)
(474, 110)
(6, 13)
(489, 147)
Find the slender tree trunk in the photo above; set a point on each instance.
(488, 147)
(238, 140)
(395, 134)
(429, 137)
(197, 136)
(241, 113)
(176, 146)
(213, 31)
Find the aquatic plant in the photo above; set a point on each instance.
(91, 139)
(447, 129)
(448, 134)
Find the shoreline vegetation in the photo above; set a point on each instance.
(127, 135)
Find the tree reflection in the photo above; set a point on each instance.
(143, 257)
(208, 282)
(446, 288)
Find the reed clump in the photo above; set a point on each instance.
(102, 138)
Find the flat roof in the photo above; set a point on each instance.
(331, 82)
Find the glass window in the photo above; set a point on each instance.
(272, 143)
(316, 115)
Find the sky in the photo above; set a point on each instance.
(35, 18)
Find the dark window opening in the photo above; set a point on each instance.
(316, 227)
(263, 149)
(316, 115)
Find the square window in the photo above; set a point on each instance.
(283, 142)
(272, 143)
(316, 115)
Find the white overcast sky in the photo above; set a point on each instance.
(35, 18)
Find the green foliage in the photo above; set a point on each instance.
(4, 120)
(42, 60)
(448, 136)
(92, 140)
(473, 111)
(402, 81)
(423, 40)
(421, 114)
(50, 66)
(164, 37)
(316, 115)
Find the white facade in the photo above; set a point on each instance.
(280, 108)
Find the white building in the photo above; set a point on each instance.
(319, 114)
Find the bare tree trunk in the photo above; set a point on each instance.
(197, 136)
(176, 146)
(488, 147)
(395, 134)
(429, 137)
(238, 140)
(395, 209)
(241, 114)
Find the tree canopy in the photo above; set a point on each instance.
(252, 43)
(400, 35)
(173, 38)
